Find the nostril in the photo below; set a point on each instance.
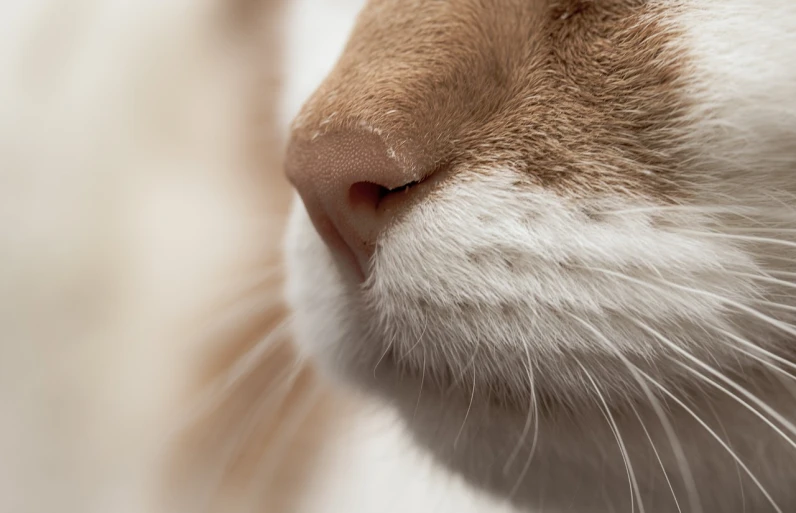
(354, 187)
(366, 195)
(370, 195)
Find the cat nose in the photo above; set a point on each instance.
(351, 186)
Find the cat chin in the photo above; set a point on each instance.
(488, 434)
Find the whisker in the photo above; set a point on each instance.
(784, 376)
(746, 405)
(467, 414)
(386, 350)
(612, 423)
(771, 366)
(774, 305)
(729, 382)
(790, 231)
(408, 352)
(763, 278)
(270, 402)
(472, 359)
(782, 273)
(254, 280)
(533, 410)
(744, 238)
(717, 438)
(657, 457)
(737, 468)
(674, 441)
(759, 349)
(674, 208)
(422, 380)
(531, 407)
(751, 311)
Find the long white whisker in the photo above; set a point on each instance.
(782, 273)
(744, 238)
(737, 468)
(674, 441)
(419, 339)
(631, 475)
(657, 457)
(751, 311)
(717, 438)
(239, 311)
(789, 231)
(531, 408)
(422, 381)
(763, 278)
(759, 349)
(471, 361)
(253, 281)
(534, 410)
(780, 371)
(774, 305)
(673, 208)
(743, 403)
(383, 354)
(466, 415)
(762, 405)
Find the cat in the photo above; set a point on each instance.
(556, 237)
(537, 258)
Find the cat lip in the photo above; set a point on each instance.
(344, 257)
(349, 264)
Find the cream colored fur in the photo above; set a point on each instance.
(124, 216)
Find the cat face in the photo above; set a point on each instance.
(562, 207)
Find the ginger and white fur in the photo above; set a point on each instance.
(129, 206)
(605, 301)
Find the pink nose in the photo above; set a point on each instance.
(351, 188)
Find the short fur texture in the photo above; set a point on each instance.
(595, 296)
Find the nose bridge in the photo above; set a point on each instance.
(383, 105)
(418, 77)
(330, 163)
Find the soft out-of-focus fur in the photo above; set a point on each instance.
(612, 229)
(141, 206)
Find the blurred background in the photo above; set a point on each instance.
(145, 357)
(141, 207)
